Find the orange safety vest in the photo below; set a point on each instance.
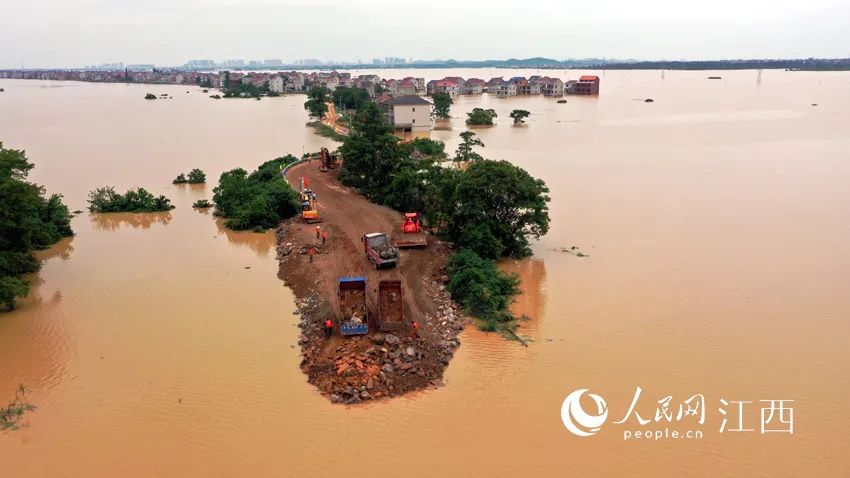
(329, 324)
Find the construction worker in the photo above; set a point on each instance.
(311, 252)
(318, 232)
(415, 329)
(324, 237)
(329, 328)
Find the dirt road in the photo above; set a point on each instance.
(414, 363)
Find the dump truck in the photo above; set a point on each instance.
(309, 204)
(390, 306)
(351, 296)
(378, 250)
(411, 233)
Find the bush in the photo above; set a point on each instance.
(28, 221)
(150, 96)
(180, 179)
(482, 289)
(257, 201)
(202, 204)
(106, 199)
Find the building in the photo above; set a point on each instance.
(408, 113)
(448, 86)
(276, 84)
(552, 86)
(473, 86)
(505, 89)
(493, 84)
(586, 85)
(406, 87)
(521, 84)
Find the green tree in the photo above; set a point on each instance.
(481, 117)
(478, 285)
(498, 208)
(106, 199)
(442, 104)
(372, 154)
(519, 116)
(257, 201)
(350, 98)
(465, 153)
(180, 179)
(28, 221)
(317, 99)
(196, 176)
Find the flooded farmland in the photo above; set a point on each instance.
(715, 224)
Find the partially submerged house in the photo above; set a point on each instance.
(409, 113)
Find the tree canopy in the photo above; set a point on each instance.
(350, 98)
(481, 117)
(258, 201)
(442, 104)
(317, 99)
(465, 153)
(106, 199)
(28, 221)
(519, 116)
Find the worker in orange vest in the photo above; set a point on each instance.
(329, 328)
(415, 329)
(311, 252)
(324, 237)
(318, 232)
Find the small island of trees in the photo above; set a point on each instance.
(195, 176)
(106, 199)
(28, 221)
(519, 116)
(150, 96)
(481, 117)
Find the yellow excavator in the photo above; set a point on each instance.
(309, 209)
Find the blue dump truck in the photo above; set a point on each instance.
(351, 296)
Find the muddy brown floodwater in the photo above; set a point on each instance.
(715, 219)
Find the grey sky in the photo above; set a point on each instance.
(67, 33)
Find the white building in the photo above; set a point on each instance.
(409, 113)
(276, 84)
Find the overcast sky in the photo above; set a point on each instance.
(71, 33)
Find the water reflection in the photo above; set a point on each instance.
(61, 249)
(531, 301)
(260, 242)
(113, 221)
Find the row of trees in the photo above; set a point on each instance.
(195, 176)
(478, 116)
(107, 199)
(29, 220)
(489, 208)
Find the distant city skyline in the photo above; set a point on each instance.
(77, 33)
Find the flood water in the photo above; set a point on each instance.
(716, 221)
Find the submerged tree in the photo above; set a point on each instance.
(519, 116)
(11, 414)
(442, 104)
(481, 117)
(317, 99)
(28, 221)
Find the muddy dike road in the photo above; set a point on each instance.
(378, 365)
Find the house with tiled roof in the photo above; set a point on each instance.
(473, 86)
(409, 113)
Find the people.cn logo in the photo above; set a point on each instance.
(577, 420)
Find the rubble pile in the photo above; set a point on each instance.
(379, 365)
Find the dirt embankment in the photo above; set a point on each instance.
(353, 369)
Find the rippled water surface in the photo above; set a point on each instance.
(716, 221)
